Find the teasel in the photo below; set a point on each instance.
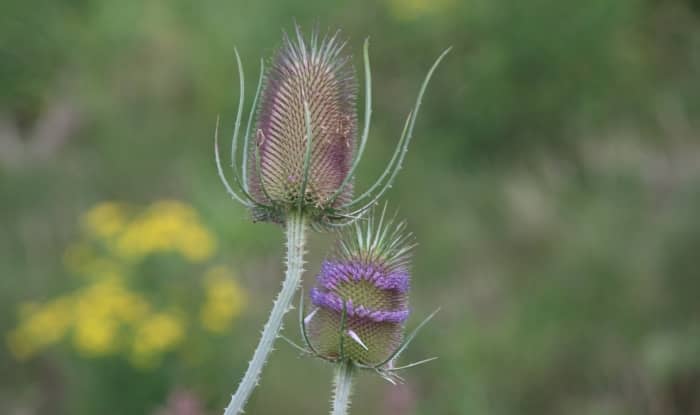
(299, 168)
(360, 304)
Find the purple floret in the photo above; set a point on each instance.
(368, 279)
(333, 273)
(332, 301)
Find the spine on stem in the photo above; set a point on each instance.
(296, 240)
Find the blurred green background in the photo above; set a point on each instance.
(553, 186)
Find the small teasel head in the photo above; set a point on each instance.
(360, 301)
(305, 147)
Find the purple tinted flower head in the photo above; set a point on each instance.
(361, 296)
(304, 149)
(314, 76)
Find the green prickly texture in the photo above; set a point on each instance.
(365, 293)
(381, 339)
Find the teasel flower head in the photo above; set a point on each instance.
(303, 152)
(360, 301)
(307, 122)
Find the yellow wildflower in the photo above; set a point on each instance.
(156, 334)
(105, 220)
(224, 300)
(130, 307)
(104, 314)
(196, 244)
(40, 326)
(95, 334)
(101, 309)
(166, 226)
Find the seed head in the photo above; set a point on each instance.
(309, 94)
(303, 153)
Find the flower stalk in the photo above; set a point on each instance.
(343, 388)
(360, 305)
(296, 241)
(297, 167)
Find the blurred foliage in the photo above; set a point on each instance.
(552, 186)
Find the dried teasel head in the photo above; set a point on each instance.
(306, 162)
(304, 150)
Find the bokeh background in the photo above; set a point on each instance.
(553, 186)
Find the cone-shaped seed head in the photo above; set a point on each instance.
(318, 74)
(369, 282)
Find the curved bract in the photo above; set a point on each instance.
(305, 150)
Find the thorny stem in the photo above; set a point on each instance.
(343, 388)
(296, 239)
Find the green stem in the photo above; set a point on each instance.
(343, 388)
(296, 239)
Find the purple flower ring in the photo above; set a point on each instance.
(361, 295)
